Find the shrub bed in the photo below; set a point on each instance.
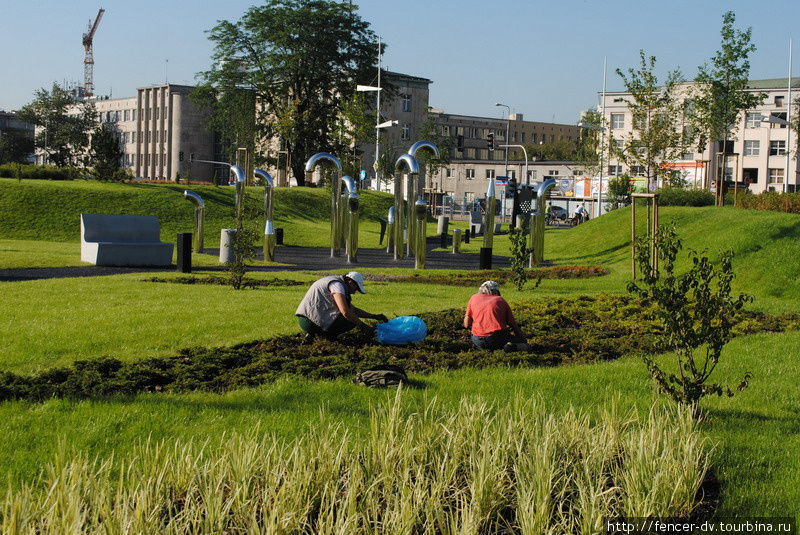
(224, 281)
(576, 330)
(46, 172)
(685, 197)
(771, 200)
(475, 278)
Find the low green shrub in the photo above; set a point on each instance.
(576, 330)
(45, 172)
(223, 281)
(685, 197)
(771, 200)
(480, 468)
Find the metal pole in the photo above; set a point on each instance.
(378, 121)
(788, 126)
(602, 137)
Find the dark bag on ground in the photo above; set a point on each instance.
(382, 376)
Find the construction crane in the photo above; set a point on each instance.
(88, 58)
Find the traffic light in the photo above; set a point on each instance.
(512, 188)
(180, 156)
(490, 139)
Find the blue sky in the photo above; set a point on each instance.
(542, 58)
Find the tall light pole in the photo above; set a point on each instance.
(788, 127)
(508, 123)
(378, 124)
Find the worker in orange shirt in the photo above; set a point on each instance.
(492, 323)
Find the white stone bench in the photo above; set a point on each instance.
(123, 240)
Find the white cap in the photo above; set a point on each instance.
(358, 278)
(489, 287)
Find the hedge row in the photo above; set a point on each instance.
(45, 172)
(771, 200)
(574, 330)
(685, 197)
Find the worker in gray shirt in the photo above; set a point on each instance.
(327, 310)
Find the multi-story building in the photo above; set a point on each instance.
(756, 158)
(11, 125)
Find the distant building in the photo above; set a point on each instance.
(756, 158)
(10, 124)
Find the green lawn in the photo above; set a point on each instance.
(53, 322)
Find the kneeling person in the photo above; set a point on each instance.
(326, 308)
(490, 317)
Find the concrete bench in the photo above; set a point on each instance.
(123, 240)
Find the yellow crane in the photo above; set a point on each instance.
(88, 58)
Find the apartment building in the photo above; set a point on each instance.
(756, 158)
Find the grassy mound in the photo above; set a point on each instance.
(576, 330)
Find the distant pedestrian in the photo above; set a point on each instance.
(326, 309)
(491, 321)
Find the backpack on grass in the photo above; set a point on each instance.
(381, 376)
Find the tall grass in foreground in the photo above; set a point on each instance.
(479, 469)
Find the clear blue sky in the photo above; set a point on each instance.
(542, 58)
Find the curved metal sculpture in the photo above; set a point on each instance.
(488, 217)
(536, 237)
(199, 217)
(269, 226)
(350, 200)
(421, 212)
(413, 192)
(410, 163)
(336, 223)
(390, 230)
(240, 180)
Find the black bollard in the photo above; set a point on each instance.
(466, 236)
(184, 252)
(278, 236)
(486, 258)
(383, 222)
(443, 240)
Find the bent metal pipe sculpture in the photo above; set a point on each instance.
(199, 216)
(390, 230)
(240, 180)
(336, 224)
(421, 211)
(536, 238)
(351, 244)
(269, 227)
(411, 165)
(413, 192)
(488, 218)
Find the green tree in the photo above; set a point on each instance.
(66, 124)
(656, 113)
(697, 311)
(105, 153)
(589, 142)
(354, 126)
(15, 147)
(562, 150)
(298, 59)
(720, 92)
(620, 190)
(386, 162)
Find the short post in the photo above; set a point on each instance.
(456, 240)
(383, 223)
(443, 240)
(485, 258)
(184, 252)
(278, 236)
(466, 236)
(226, 245)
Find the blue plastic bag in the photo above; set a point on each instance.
(401, 330)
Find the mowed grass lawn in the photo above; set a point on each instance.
(53, 322)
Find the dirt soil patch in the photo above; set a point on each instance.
(223, 281)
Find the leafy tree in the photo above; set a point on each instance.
(656, 113)
(386, 161)
(589, 142)
(298, 59)
(697, 311)
(15, 147)
(620, 190)
(233, 115)
(105, 153)
(354, 126)
(66, 123)
(720, 93)
(561, 150)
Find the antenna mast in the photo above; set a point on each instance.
(88, 58)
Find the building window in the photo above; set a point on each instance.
(775, 176)
(617, 121)
(620, 144)
(470, 173)
(406, 101)
(514, 137)
(577, 172)
(638, 170)
(490, 173)
(687, 156)
(512, 174)
(448, 172)
(777, 148)
(778, 115)
(127, 115)
(522, 138)
(445, 130)
(155, 113)
(405, 132)
(133, 114)
(459, 130)
(532, 174)
(533, 138)
(751, 148)
(552, 172)
(753, 119)
(471, 153)
(779, 101)
(133, 137)
(614, 170)
(483, 154)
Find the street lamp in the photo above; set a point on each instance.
(508, 123)
(527, 176)
(602, 130)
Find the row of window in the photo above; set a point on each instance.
(131, 115)
(145, 137)
(492, 173)
(752, 120)
(472, 132)
(145, 159)
(776, 148)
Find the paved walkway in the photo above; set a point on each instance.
(296, 258)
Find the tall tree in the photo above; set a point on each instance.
(66, 124)
(299, 59)
(656, 112)
(105, 153)
(354, 126)
(15, 146)
(720, 91)
(589, 142)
